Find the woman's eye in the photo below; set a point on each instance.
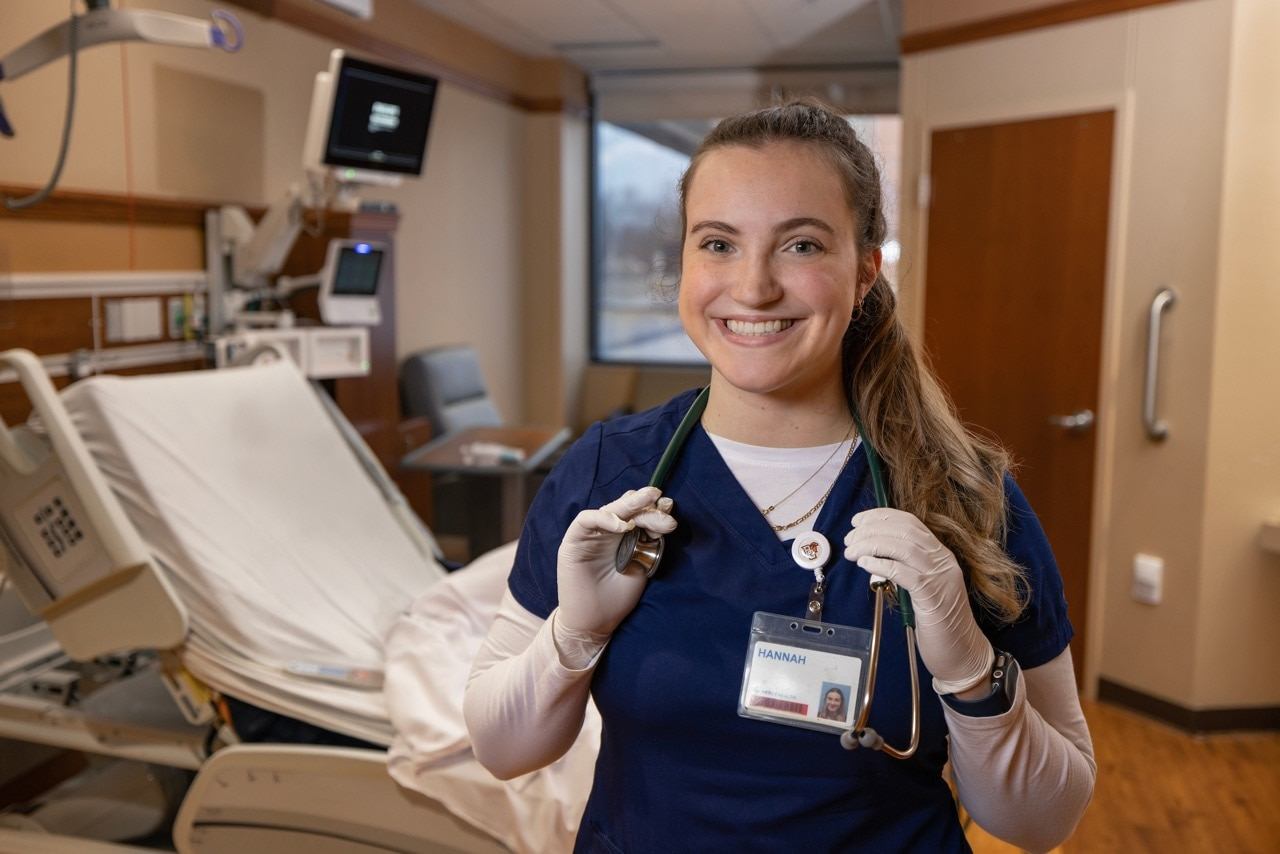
(805, 247)
(716, 245)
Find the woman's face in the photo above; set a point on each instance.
(769, 268)
(835, 701)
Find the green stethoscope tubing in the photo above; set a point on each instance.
(882, 499)
(860, 735)
(677, 441)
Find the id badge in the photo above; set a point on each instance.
(804, 673)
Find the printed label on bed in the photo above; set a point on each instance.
(791, 683)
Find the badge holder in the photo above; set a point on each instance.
(804, 673)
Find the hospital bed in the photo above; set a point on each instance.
(187, 538)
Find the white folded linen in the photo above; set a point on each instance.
(428, 658)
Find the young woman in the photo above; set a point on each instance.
(832, 705)
(781, 290)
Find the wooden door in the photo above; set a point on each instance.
(1016, 271)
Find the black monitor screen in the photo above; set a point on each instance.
(357, 271)
(380, 118)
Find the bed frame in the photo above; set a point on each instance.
(75, 560)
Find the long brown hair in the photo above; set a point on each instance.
(950, 478)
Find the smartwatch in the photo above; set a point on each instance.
(1004, 683)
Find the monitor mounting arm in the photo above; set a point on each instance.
(259, 251)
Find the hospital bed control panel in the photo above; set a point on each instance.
(58, 528)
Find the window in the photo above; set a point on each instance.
(636, 232)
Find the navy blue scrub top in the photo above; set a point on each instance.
(678, 769)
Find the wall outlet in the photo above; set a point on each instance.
(1148, 579)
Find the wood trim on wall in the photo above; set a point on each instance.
(297, 15)
(77, 206)
(1191, 720)
(1017, 22)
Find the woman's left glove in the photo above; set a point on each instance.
(896, 545)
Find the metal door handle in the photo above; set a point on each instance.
(1157, 429)
(1077, 422)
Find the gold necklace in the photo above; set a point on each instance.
(774, 506)
(778, 529)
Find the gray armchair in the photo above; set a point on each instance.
(445, 385)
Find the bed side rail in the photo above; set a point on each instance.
(67, 546)
(281, 797)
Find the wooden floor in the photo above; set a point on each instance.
(1160, 789)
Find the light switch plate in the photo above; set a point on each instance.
(1148, 579)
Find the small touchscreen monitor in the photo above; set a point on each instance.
(349, 283)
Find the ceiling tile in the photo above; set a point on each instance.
(793, 22)
(506, 29)
(708, 33)
(667, 34)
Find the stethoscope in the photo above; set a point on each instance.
(642, 551)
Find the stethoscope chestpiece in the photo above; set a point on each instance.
(638, 551)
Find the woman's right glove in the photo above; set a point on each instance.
(595, 597)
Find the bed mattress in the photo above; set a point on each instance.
(273, 536)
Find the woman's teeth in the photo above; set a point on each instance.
(759, 327)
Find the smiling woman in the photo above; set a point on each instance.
(781, 290)
(637, 234)
(771, 275)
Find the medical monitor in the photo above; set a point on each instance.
(368, 122)
(349, 283)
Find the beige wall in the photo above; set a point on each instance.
(1164, 70)
(203, 124)
(459, 270)
(1239, 582)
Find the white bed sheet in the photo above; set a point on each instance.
(274, 537)
(428, 658)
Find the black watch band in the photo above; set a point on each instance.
(1004, 683)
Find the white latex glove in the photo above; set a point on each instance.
(896, 545)
(594, 597)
